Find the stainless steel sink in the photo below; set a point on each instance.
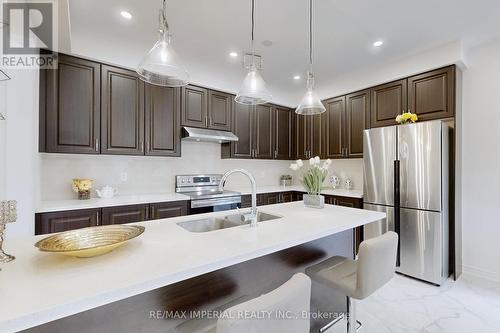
(218, 223)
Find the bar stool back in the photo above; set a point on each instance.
(360, 278)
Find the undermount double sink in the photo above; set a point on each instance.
(218, 223)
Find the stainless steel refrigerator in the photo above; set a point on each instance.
(406, 175)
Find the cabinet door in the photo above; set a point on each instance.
(387, 102)
(168, 209)
(246, 201)
(243, 128)
(357, 110)
(47, 223)
(283, 133)
(162, 108)
(317, 128)
(194, 108)
(303, 136)
(220, 110)
(264, 132)
(287, 197)
(70, 96)
(261, 199)
(432, 95)
(124, 214)
(334, 129)
(273, 198)
(122, 112)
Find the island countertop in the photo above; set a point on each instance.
(39, 287)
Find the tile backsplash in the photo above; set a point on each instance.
(156, 174)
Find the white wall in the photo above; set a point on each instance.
(481, 161)
(21, 146)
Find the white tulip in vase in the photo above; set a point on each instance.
(312, 179)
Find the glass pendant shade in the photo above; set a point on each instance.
(253, 91)
(310, 103)
(161, 66)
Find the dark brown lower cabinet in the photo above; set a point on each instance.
(47, 223)
(166, 210)
(124, 214)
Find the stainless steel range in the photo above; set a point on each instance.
(205, 194)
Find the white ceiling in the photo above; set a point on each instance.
(205, 31)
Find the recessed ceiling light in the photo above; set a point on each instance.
(233, 54)
(126, 14)
(267, 43)
(296, 77)
(378, 43)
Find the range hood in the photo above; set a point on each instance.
(207, 135)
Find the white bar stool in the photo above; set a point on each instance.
(283, 310)
(359, 278)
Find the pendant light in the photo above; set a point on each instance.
(161, 66)
(310, 103)
(253, 91)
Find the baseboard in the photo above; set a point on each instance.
(481, 273)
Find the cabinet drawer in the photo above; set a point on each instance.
(124, 214)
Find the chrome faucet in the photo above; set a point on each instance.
(253, 212)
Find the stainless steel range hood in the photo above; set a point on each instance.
(207, 135)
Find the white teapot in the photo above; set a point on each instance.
(107, 192)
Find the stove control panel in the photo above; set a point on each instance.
(197, 180)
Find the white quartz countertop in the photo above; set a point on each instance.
(40, 287)
(299, 188)
(119, 200)
(123, 200)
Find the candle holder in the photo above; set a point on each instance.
(8, 214)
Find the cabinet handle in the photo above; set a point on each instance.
(206, 121)
(142, 146)
(96, 144)
(210, 121)
(97, 218)
(275, 154)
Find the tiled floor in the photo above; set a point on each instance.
(470, 305)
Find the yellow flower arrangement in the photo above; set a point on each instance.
(81, 185)
(406, 118)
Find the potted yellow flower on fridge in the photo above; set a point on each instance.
(406, 118)
(312, 179)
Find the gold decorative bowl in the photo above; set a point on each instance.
(89, 242)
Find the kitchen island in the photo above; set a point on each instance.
(169, 268)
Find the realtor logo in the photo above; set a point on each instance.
(30, 28)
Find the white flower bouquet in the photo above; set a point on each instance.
(312, 178)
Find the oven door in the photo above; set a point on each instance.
(200, 206)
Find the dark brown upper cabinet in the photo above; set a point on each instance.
(162, 112)
(310, 131)
(194, 108)
(432, 95)
(356, 121)
(220, 107)
(334, 138)
(243, 128)
(387, 102)
(263, 134)
(70, 107)
(283, 133)
(47, 223)
(122, 112)
(124, 214)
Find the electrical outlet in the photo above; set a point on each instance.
(123, 176)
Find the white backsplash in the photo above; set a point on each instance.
(156, 174)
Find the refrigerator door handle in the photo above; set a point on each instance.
(397, 209)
